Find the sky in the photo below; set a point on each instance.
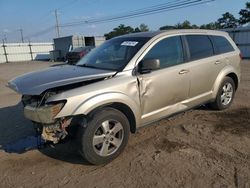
(36, 18)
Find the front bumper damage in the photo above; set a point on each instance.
(53, 129)
(44, 114)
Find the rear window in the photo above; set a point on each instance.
(221, 44)
(200, 46)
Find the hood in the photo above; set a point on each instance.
(35, 83)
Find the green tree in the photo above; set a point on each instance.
(212, 25)
(167, 27)
(120, 30)
(227, 21)
(245, 14)
(142, 28)
(186, 25)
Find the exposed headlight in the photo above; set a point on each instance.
(43, 114)
(55, 109)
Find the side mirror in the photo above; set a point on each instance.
(148, 65)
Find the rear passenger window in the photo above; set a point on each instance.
(222, 45)
(169, 51)
(200, 46)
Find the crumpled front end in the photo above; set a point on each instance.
(38, 87)
(36, 110)
(44, 114)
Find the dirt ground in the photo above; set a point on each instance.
(198, 148)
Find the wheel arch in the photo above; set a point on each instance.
(118, 101)
(235, 79)
(228, 71)
(128, 113)
(125, 109)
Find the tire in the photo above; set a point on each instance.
(225, 95)
(104, 137)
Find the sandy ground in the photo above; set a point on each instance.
(198, 148)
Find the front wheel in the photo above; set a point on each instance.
(225, 95)
(105, 136)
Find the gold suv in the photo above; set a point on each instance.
(128, 82)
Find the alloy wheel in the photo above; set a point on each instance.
(227, 94)
(108, 138)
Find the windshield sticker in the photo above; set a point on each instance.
(129, 43)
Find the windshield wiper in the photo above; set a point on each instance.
(90, 66)
(94, 67)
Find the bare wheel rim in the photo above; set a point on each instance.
(226, 94)
(108, 138)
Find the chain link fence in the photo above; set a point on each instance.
(12, 52)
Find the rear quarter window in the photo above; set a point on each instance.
(200, 46)
(221, 45)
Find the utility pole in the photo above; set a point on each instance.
(57, 24)
(5, 38)
(21, 32)
(5, 54)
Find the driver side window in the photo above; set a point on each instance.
(169, 51)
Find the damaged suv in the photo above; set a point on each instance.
(128, 82)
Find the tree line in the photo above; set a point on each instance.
(227, 20)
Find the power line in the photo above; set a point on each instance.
(39, 33)
(138, 11)
(173, 5)
(142, 13)
(44, 18)
(50, 28)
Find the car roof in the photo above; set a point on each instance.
(152, 34)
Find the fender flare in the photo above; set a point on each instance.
(223, 73)
(105, 99)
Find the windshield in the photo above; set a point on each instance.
(114, 54)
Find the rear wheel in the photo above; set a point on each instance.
(105, 136)
(225, 95)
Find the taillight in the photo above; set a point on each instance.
(241, 57)
(81, 54)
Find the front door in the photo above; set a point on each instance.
(164, 88)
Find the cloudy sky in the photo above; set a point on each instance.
(37, 18)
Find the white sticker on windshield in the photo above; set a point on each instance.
(129, 43)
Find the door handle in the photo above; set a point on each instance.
(217, 62)
(184, 71)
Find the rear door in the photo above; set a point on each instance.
(204, 65)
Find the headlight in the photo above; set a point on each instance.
(56, 109)
(45, 114)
